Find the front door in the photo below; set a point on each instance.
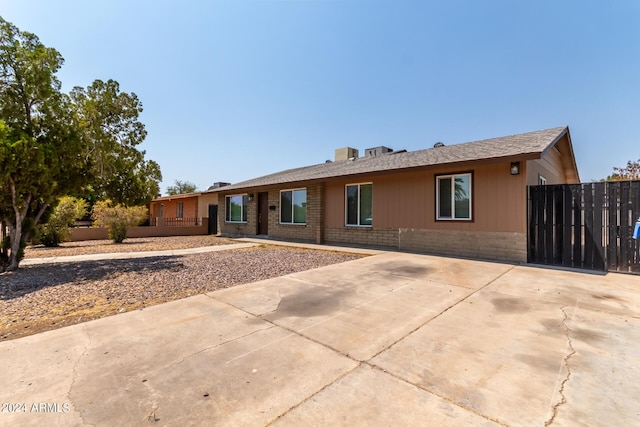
(263, 213)
(213, 219)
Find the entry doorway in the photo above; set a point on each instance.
(263, 214)
(213, 219)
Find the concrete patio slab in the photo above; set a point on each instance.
(495, 356)
(388, 339)
(604, 381)
(370, 397)
(613, 293)
(190, 361)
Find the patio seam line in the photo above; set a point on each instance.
(312, 395)
(439, 396)
(217, 345)
(444, 311)
(291, 331)
(565, 364)
(368, 362)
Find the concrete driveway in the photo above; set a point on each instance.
(391, 339)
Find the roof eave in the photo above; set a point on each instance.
(447, 165)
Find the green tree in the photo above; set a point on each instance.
(629, 172)
(117, 218)
(181, 187)
(112, 131)
(53, 144)
(40, 143)
(56, 229)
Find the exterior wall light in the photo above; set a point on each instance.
(250, 197)
(515, 168)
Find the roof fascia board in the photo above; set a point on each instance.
(365, 175)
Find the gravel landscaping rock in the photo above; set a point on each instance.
(140, 244)
(43, 297)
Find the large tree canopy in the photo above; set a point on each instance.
(53, 144)
(40, 142)
(109, 120)
(181, 187)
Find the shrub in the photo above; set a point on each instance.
(56, 229)
(116, 218)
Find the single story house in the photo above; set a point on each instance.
(465, 200)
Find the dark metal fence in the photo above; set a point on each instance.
(585, 225)
(175, 222)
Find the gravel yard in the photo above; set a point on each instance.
(141, 244)
(44, 297)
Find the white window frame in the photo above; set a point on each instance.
(180, 210)
(453, 199)
(292, 190)
(346, 205)
(242, 213)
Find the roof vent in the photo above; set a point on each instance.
(218, 185)
(438, 144)
(346, 153)
(376, 151)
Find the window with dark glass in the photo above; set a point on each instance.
(453, 197)
(236, 208)
(359, 204)
(293, 206)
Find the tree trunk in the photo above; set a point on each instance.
(15, 230)
(16, 237)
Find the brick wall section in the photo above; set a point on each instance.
(312, 231)
(369, 236)
(499, 246)
(239, 228)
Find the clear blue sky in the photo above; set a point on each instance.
(237, 89)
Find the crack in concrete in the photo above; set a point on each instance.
(154, 397)
(75, 373)
(565, 364)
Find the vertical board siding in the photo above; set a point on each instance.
(585, 225)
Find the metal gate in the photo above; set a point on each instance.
(585, 225)
(213, 219)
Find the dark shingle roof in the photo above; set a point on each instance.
(531, 144)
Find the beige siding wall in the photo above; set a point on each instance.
(204, 200)
(556, 165)
(404, 215)
(407, 200)
(549, 166)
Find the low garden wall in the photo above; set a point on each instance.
(90, 233)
